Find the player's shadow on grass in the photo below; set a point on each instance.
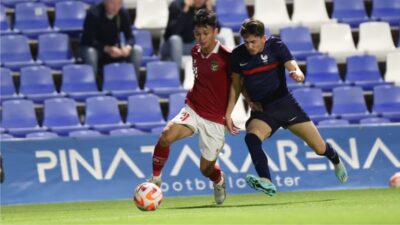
(251, 205)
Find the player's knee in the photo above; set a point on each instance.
(250, 136)
(206, 169)
(166, 138)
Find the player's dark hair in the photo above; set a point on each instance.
(252, 26)
(204, 17)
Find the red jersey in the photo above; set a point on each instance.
(210, 92)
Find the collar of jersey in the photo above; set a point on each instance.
(214, 51)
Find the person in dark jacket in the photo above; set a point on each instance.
(101, 42)
(178, 37)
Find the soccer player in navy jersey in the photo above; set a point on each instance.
(205, 105)
(259, 66)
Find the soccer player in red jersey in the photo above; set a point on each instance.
(205, 105)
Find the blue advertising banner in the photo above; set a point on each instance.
(77, 169)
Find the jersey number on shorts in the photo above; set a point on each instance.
(184, 116)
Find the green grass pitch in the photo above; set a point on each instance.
(373, 206)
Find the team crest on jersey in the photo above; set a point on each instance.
(264, 58)
(214, 66)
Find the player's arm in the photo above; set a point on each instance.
(234, 93)
(294, 71)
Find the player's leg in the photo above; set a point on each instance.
(309, 133)
(257, 131)
(211, 141)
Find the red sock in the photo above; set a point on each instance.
(160, 156)
(216, 174)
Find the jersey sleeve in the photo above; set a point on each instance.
(284, 53)
(235, 68)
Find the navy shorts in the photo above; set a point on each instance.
(283, 112)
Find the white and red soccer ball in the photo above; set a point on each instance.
(395, 180)
(147, 196)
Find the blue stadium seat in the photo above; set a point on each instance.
(19, 117)
(144, 40)
(298, 40)
(231, 13)
(351, 12)
(7, 87)
(349, 103)
(362, 70)
(386, 10)
(6, 137)
(51, 3)
(84, 133)
(12, 3)
(61, 116)
(2, 130)
(312, 102)
(374, 120)
(176, 103)
(4, 27)
(163, 78)
(127, 132)
(102, 114)
(15, 52)
(69, 16)
(92, 2)
(144, 112)
(120, 80)
(31, 19)
(78, 82)
(42, 135)
(323, 72)
(157, 130)
(333, 123)
(387, 102)
(37, 84)
(54, 50)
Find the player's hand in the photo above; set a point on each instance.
(255, 106)
(232, 128)
(116, 52)
(297, 76)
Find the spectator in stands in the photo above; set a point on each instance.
(178, 37)
(101, 42)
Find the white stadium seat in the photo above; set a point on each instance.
(228, 36)
(151, 14)
(239, 114)
(393, 68)
(273, 13)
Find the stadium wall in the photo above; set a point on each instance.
(78, 169)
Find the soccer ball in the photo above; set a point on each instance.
(147, 196)
(395, 180)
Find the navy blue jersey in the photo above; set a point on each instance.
(263, 74)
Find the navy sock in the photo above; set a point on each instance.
(258, 156)
(331, 154)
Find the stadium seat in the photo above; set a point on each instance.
(333, 123)
(144, 112)
(150, 17)
(37, 84)
(188, 80)
(15, 52)
(176, 103)
(229, 38)
(337, 41)
(373, 44)
(4, 27)
(127, 132)
(2, 130)
(120, 80)
(163, 78)
(349, 103)
(31, 19)
(102, 114)
(351, 12)
(273, 13)
(312, 102)
(386, 10)
(7, 87)
(92, 2)
(298, 40)
(69, 16)
(311, 13)
(19, 117)
(157, 130)
(387, 102)
(231, 13)
(42, 135)
(84, 133)
(143, 39)
(374, 121)
(54, 50)
(61, 116)
(4, 137)
(240, 114)
(362, 70)
(323, 72)
(78, 82)
(12, 3)
(393, 68)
